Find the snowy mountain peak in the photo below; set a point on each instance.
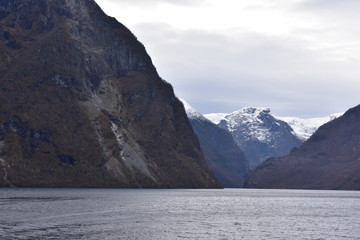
(252, 118)
(305, 127)
(259, 133)
(216, 117)
(252, 110)
(191, 112)
(262, 135)
(249, 111)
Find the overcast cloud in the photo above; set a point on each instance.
(299, 58)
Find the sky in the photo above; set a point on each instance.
(300, 58)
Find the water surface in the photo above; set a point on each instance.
(178, 214)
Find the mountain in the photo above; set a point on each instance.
(329, 159)
(258, 133)
(216, 117)
(81, 104)
(222, 155)
(305, 127)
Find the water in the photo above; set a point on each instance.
(178, 214)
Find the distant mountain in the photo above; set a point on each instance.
(329, 159)
(258, 133)
(216, 117)
(82, 105)
(305, 127)
(223, 156)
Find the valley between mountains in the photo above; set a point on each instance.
(82, 105)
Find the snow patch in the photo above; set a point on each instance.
(216, 117)
(190, 111)
(305, 127)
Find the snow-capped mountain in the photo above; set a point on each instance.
(191, 112)
(216, 117)
(258, 133)
(305, 127)
(262, 135)
(224, 158)
(253, 119)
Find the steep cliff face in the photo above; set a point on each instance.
(329, 159)
(259, 134)
(224, 158)
(81, 104)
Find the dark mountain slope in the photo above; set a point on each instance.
(330, 159)
(81, 104)
(222, 155)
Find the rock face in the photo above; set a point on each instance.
(81, 104)
(259, 134)
(329, 159)
(222, 155)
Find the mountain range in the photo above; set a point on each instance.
(82, 105)
(256, 130)
(262, 135)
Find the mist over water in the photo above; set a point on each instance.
(178, 214)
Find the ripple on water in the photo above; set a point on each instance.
(178, 214)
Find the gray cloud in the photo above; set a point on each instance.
(147, 3)
(216, 73)
(339, 16)
(312, 71)
(343, 5)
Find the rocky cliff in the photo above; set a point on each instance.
(329, 159)
(224, 158)
(81, 104)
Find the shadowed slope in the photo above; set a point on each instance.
(330, 159)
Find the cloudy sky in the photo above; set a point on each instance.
(298, 57)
